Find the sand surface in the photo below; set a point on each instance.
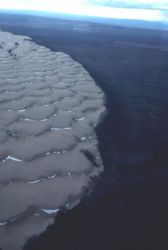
(49, 108)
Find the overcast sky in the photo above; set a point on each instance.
(105, 8)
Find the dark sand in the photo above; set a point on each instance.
(128, 208)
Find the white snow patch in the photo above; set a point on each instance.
(50, 211)
(21, 110)
(33, 182)
(58, 129)
(83, 138)
(36, 214)
(52, 176)
(48, 153)
(12, 159)
(81, 119)
(44, 120)
(30, 120)
(3, 223)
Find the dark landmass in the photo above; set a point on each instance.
(128, 208)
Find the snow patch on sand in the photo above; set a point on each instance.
(50, 211)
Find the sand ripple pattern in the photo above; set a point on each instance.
(49, 108)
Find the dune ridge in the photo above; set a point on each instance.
(49, 108)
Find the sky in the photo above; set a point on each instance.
(151, 10)
(155, 4)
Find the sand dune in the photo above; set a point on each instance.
(49, 108)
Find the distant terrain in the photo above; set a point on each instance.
(155, 25)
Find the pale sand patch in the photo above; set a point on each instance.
(49, 108)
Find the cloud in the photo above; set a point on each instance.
(72, 3)
(128, 9)
(162, 4)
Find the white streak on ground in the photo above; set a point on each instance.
(33, 182)
(3, 223)
(12, 159)
(59, 129)
(50, 211)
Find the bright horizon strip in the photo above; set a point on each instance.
(144, 4)
(82, 7)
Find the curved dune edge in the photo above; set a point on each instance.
(49, 108)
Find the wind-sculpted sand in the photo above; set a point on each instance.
(49, 108)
